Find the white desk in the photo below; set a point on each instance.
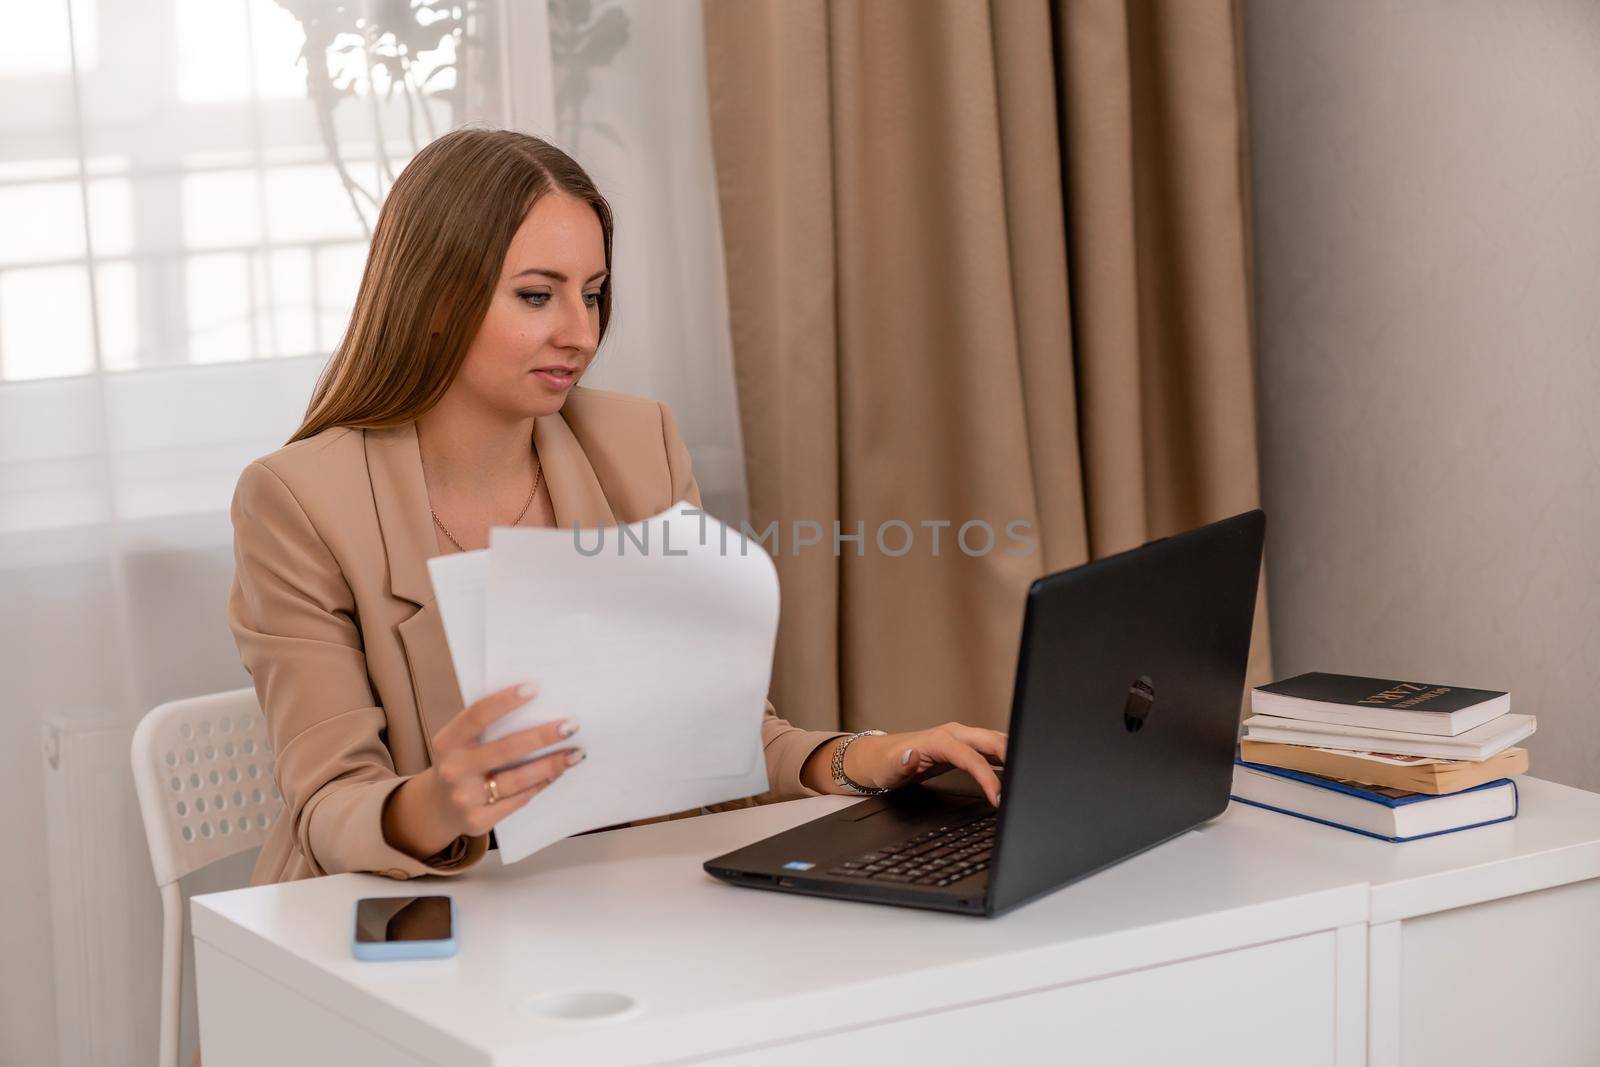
(1247, 941)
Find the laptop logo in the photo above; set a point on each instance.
(1141, 698)
(798, 865)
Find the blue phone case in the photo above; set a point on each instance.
(404, 950)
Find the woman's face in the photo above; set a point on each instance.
(543, 323)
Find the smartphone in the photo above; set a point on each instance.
(404, 928)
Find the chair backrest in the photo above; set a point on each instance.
(204, 772)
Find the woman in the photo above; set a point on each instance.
(452, 405)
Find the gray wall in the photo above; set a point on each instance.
(1427, 230)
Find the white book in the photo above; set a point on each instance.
(1479, 743)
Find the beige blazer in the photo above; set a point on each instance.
(335, 619)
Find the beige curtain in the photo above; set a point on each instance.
(986, 261)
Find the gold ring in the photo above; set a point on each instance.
(490, 790)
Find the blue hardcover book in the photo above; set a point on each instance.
(1376, 811)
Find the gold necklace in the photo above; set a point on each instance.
(538, 473)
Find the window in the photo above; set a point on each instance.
(186, 193)
(193, 181)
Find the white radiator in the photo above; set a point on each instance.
(105, 912)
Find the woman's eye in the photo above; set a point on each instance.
(539, 300)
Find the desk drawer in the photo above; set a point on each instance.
(1270, 1004)
(1532, 966)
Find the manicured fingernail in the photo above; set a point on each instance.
(527, 690)
(997, 800)
(905, 757)
(568, 728)
(575, 757)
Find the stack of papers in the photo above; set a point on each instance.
(657, 637)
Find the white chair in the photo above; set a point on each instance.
(204, 773)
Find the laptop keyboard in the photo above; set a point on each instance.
(936, 857)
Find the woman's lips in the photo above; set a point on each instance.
(561, 378)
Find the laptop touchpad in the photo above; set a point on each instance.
(864, 810)
(952, 784)
(957, 782)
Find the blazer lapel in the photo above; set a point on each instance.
(575, 493)
(433, 676)
(395, 464)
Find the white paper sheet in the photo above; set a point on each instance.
(657, 637)
(460, 585)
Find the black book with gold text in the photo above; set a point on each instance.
(1380, 703)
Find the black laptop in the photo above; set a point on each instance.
(1124, 720)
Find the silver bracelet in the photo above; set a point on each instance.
(840, 779)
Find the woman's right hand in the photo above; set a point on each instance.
(453, 797)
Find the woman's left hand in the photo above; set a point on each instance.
(900, 759)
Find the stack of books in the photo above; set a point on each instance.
(1393, 760)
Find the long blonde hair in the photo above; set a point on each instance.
(436, 256)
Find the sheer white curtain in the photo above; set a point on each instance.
(186, 188)
(631, 106)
